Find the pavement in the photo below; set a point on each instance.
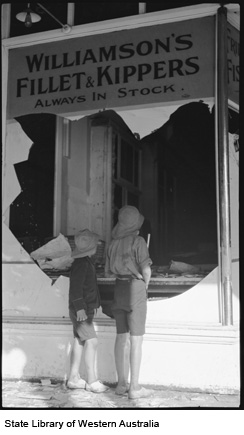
(46, 393)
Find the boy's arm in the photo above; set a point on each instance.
(146, 273)
(143, 259)
(81, 315)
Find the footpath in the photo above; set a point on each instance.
(49, 394)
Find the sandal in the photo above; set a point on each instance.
(80, 384)
(96, 387)
(138, 394)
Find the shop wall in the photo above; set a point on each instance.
(177, 357)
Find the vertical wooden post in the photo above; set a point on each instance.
(223, 167)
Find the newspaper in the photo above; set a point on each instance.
(55, 254)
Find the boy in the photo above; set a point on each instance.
(128, 260)
(84, 298)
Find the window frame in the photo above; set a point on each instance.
(117, 180)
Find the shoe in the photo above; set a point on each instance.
(120, 390)
(79, 384)
(138, 394)
(96, 387)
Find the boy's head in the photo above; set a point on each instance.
(85, 244)
(130, 221)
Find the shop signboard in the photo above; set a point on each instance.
(233, 53)
(150, 65)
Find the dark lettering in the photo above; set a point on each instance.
(66, 59)
(32, 83)
(103, 74)
(89, 56)
(165, 46)
(54, 62)
(46, 63)
(65, 101)
(159, 66)
(40, 87)
(77, 57)
(233, 45)
(122, 92)
(57, 101)
(229, 70)
(145, 91)
(193, 65)
(107, 54)
(143, 69)
(181, 40)
(233, 72)
(51, 85)
(64, 80)
(133, 91)
(21, 85)
(13, 423)
(77, 76)
(144, 51)
(156, 90)
(34, 62)
(129, 71)
(238, 72)
(117, 75)
(175, 65)
(170, 87)
(81, 99)
(38, 103)
(82, 423)
(126, 48)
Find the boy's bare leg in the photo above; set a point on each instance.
(75, 359)
(121, 354)
(136, 391)
(135, 361)
(90, 349)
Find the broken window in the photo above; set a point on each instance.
(31, 213)
(169, 175)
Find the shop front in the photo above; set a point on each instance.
(144, 114)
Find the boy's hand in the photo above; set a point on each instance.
(81, 315)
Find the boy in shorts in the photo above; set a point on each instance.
(128, 259)
(84, 298)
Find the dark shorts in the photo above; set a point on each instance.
(130, 306)
(83, 330)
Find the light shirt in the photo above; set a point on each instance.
(127, 255)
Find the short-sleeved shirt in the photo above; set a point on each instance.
(121, 252)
